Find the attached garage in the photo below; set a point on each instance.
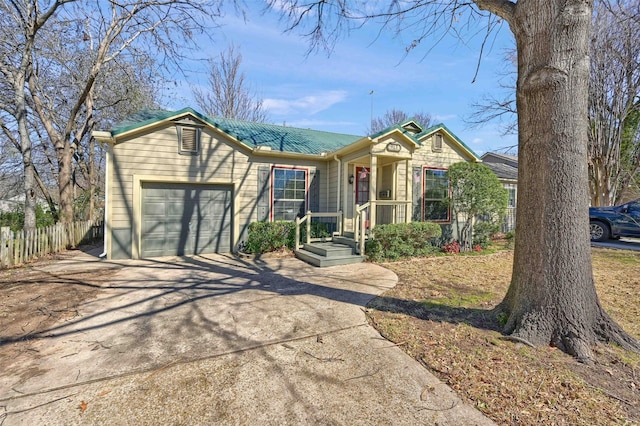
(184, 219)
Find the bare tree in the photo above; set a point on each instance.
(21, 23)
(395, 116)
(613, 102)
(552, 297)
(614, 90)
(76, 43)
(500, 108)
(228, 95)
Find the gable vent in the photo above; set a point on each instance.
(437, 142)
(189, 138)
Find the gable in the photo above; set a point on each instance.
(429, 140)
(393, 145)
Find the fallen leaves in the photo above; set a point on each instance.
(511, 382)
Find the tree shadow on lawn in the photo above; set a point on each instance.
(435, 311)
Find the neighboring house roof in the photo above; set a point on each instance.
(503, 171)
(495, 157)
(505, 166)
(283, 138)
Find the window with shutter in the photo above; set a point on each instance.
(289, 197)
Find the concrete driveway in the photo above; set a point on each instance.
(220, 340)
(621, 244)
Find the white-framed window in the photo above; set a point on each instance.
(436, 195)
(289, 193)
(188, 140)
(512, 197)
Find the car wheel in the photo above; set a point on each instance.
(599, 231)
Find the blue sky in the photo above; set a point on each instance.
(332, 92)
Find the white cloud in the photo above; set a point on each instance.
(310, 104)
(443, 118)
(320, 124)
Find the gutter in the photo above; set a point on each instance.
(105, 137)
(106, 204)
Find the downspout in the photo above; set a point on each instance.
(335, 158)
(106, 203)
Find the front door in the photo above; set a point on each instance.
(362, 190)
(362, 185)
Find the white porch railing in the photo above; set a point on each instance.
(360, 226)
(391, 211)
(362, 213)
(306, 219)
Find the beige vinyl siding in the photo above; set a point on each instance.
(155, 157)
(449, 155)
(381, 147)
(158, 153)
(401, 179)
(331, 180)
(442, 159)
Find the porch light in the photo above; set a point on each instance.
(351, 179)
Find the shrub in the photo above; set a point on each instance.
(270, 236)
(318, 230)
(511, 238)
(482, 233)
(265, 237)
(402, 240)
(15, 219)
(451, 248)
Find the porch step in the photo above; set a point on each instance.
(328, 254)
(329, 249)
(347, 241)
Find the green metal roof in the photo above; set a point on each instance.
(285, 139)
(399, 127)
(278, 138)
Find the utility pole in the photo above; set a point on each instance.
(371, 122)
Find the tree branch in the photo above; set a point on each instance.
(503, 8)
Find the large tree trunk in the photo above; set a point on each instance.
(25, 141)
(65, 182)
(29, 177)
(552, 297)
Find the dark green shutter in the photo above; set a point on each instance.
(264, 173)
(416, 179)
(314, 191)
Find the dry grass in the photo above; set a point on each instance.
(441, 311)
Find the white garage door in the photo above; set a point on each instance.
(182, 219)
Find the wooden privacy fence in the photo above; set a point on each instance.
(20, 247)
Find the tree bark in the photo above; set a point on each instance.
(27, 161)
(552, 297)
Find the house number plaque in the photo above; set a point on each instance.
(393, 147)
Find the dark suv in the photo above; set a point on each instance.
(615, 222)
